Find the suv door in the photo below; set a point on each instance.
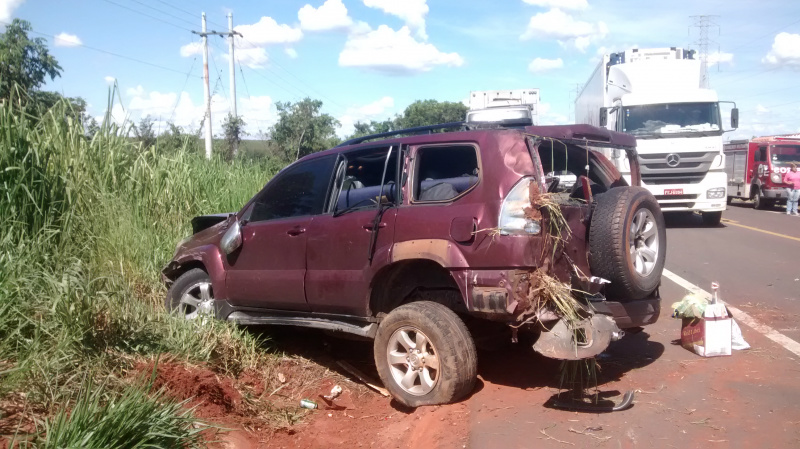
(269, 269)
(342, 256)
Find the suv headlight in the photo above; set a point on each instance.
(513, 219)
(776, 178)
(715, 193)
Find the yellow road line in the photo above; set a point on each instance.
(734, 223)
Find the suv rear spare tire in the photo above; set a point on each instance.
(628, 242)
(425, 354)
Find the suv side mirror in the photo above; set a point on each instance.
(603, 117)
(735, 118)
(232, 239)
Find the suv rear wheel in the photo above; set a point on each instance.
(628, 242)
(425, 354)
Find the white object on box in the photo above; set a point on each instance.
(717, 331)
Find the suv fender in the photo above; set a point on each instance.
(206, 257)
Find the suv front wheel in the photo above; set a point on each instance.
(425, 354)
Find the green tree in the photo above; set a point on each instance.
(24, 62)
(374, 127)
(431, 112)
(233, 130)
(301, 129)
(144, 132)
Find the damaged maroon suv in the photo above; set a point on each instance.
(428, 243)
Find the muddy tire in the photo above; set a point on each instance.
(628, 242)
(191, 295)
(425, 355)
(760, 203)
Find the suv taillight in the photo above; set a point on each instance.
(512, 219)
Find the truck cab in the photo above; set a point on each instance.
(657, 95)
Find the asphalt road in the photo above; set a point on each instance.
(748, 400)
(754, 256)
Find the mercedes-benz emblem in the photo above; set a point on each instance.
(673, 160)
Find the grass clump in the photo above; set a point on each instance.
(134, 419)
(86, 224)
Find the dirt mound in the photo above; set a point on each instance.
(211, 396)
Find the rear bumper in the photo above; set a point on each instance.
(774, 193)
(632, 313)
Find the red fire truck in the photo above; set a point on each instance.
(755, 168)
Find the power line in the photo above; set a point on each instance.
(756, 39)
(180, 92)
(163, 12)
(147, 15)
(106, 51)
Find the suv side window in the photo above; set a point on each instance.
(360, 179)
(298, 191)
(444, 172)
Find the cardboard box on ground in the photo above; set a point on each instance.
(714, 333)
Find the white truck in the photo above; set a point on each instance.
(656, 95)
(518, 107)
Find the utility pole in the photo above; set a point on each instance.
(207, 88)
(703, 23)
(232, 67)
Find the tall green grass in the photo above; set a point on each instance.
(85, 227)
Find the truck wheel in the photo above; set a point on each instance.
(712, 218)
(191, 296)
(759, 202)
(425, 355)
(628, 242)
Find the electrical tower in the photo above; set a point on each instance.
(704, 26)
(206, 88)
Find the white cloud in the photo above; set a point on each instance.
(291, 52)
(395, 52)
(332, 15)
(192, 49)
(548, 117)
(377, 110)
(7, 8)
(565, 28)
(761, 110)
(539, 65)
(66, 40)
(257, 112)
(785, 51)
(255, 58)
(566, 4)
(719, 57)
(267, 31)
(110, 79)
(412, 12)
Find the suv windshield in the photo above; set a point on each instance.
(671, 120)
(785, 155)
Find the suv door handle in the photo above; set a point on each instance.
(369, 226)
(296, 231)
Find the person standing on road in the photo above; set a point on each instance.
(793, 178)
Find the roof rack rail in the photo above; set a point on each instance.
(415, 130)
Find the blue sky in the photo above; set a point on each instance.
(368, 59)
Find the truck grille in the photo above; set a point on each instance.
(691, 169)
(677, 178)
(677, 197)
